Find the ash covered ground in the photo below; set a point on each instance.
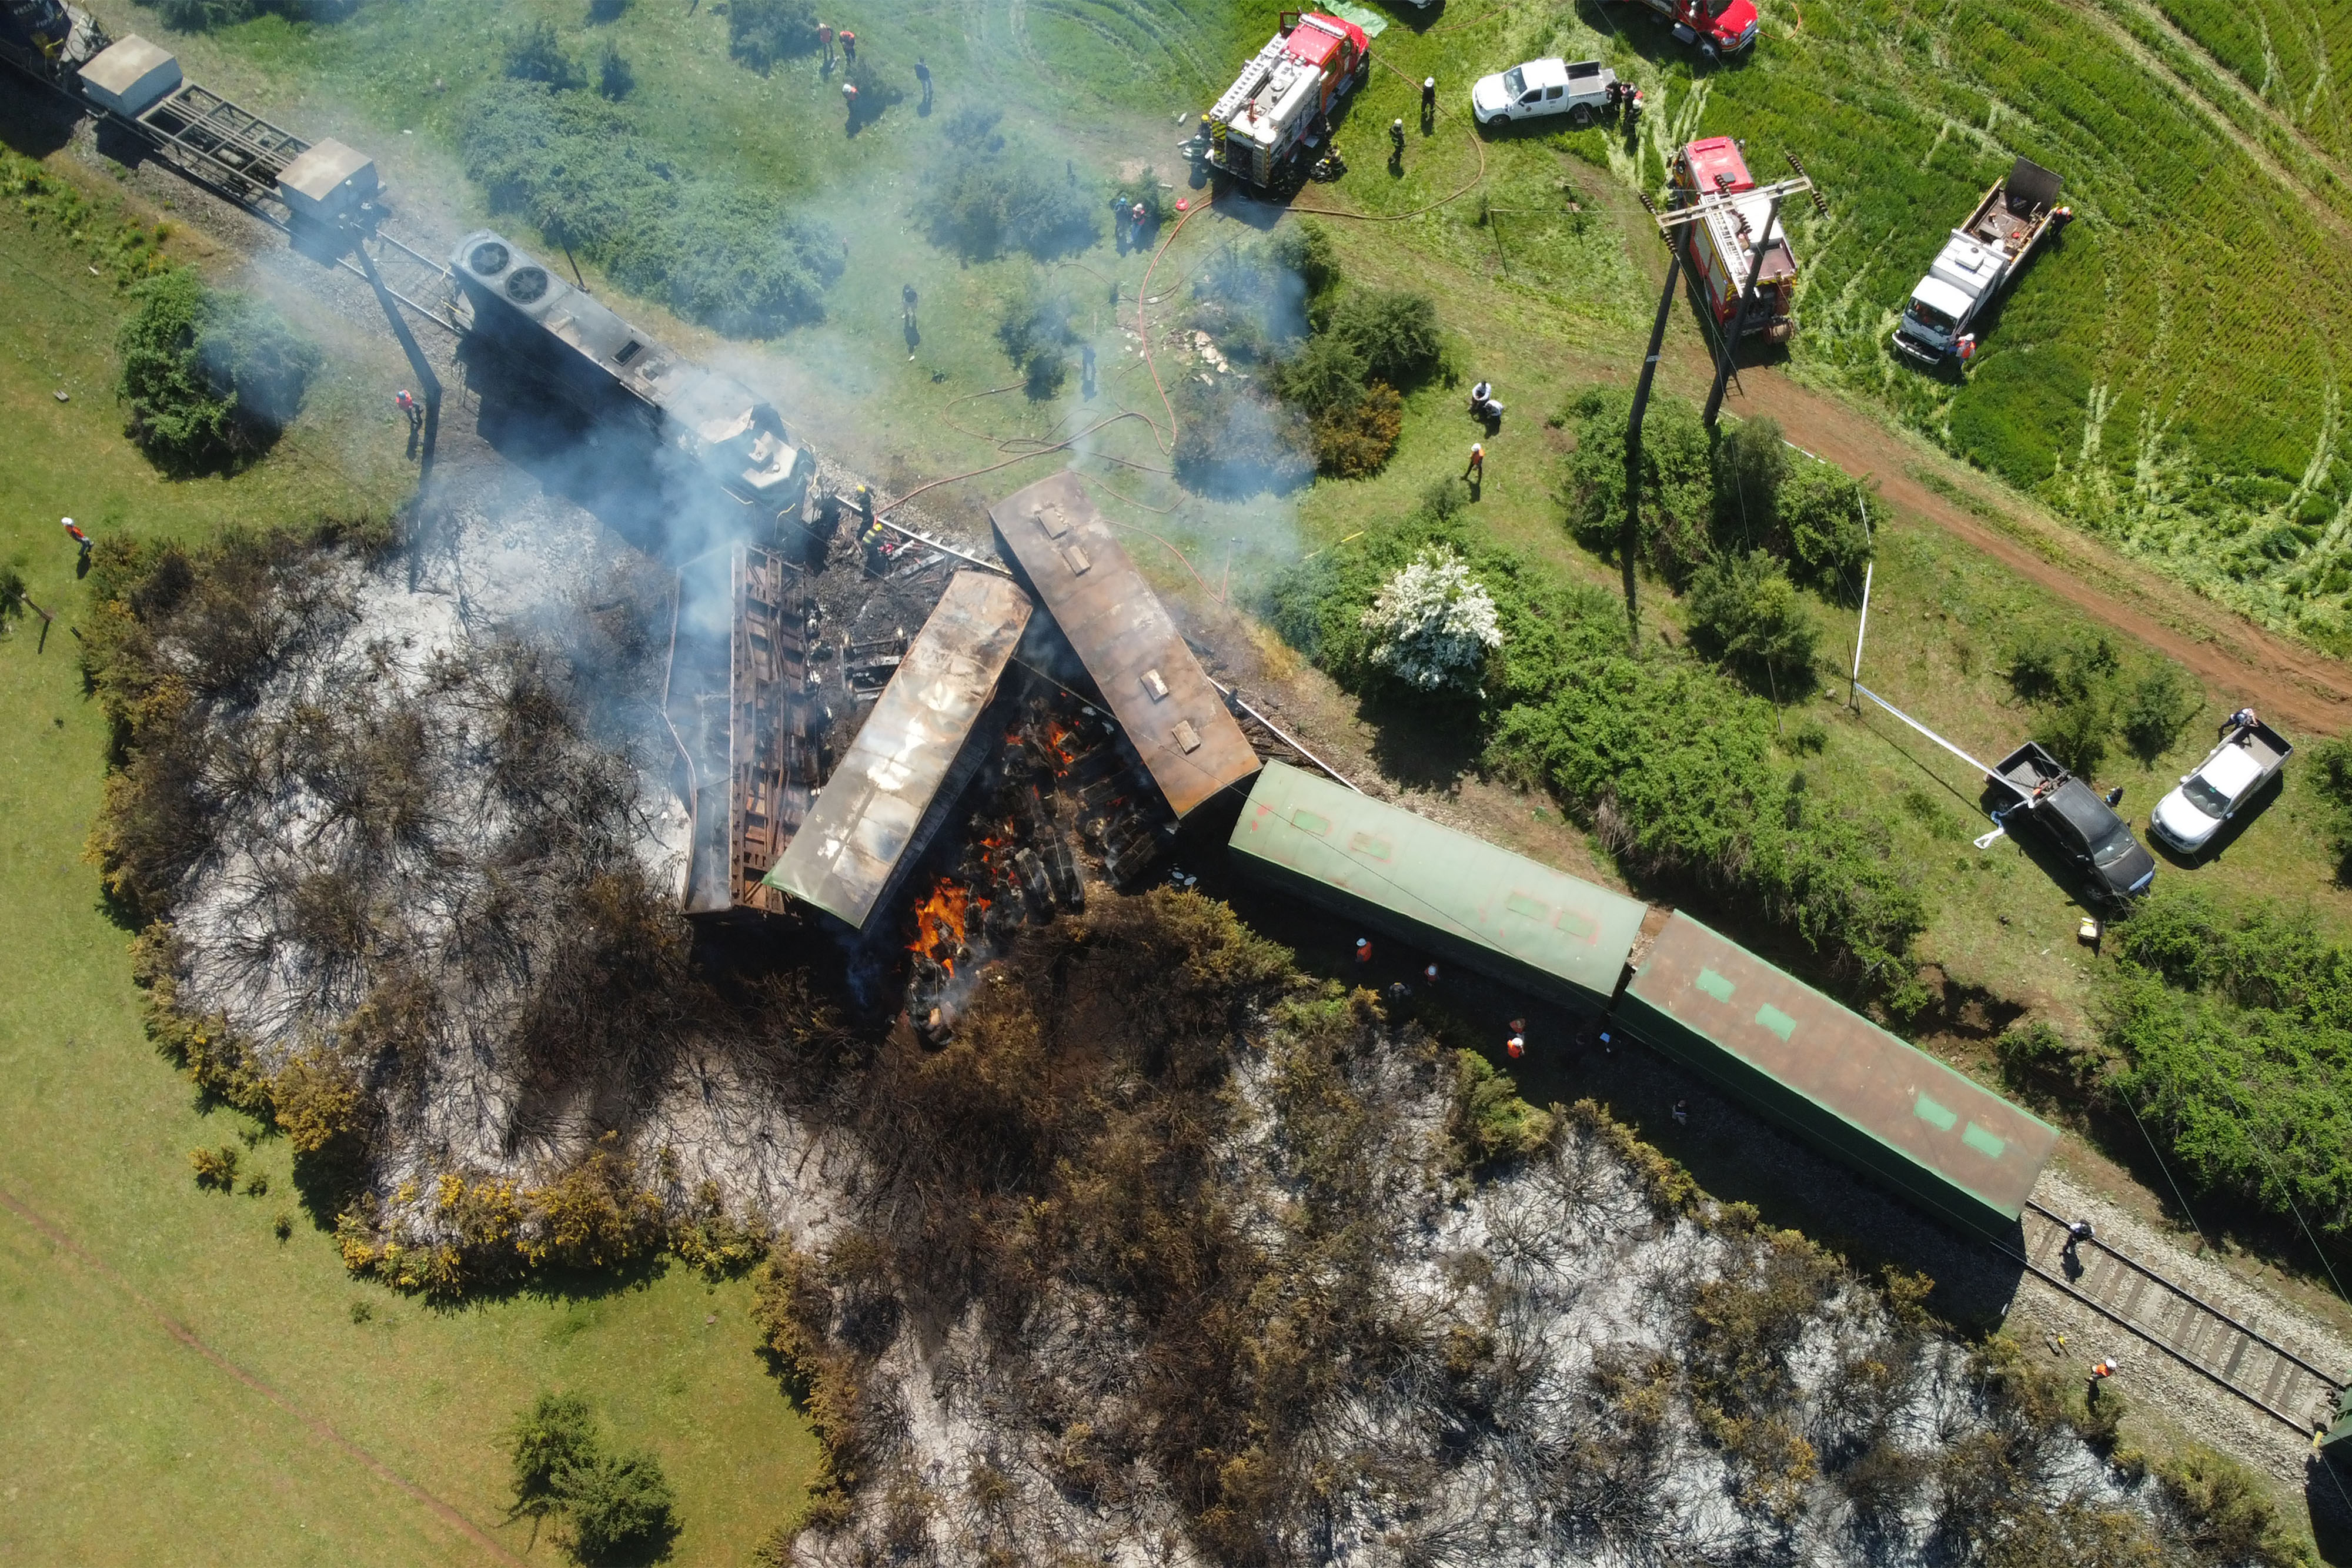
(1171, 1257)
(1158, 1253)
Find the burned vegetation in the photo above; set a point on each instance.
(1090, 1230)
(1174, 1256)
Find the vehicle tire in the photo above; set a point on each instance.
(1580, 116)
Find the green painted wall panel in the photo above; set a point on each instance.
(1420, 881)
(1836, 1079)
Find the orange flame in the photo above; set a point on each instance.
(939, 919)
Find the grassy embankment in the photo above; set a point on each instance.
(128, 1445)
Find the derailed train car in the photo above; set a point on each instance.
(1927, 1132)
(605, 367)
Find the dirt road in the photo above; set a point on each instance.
(2237, 659)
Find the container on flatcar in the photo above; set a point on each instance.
(1422, 884)
(1837, 1080)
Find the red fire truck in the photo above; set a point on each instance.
(1719, 27)
(1723, 242)
(1273, 110)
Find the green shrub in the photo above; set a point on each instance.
(1827, 516)
(1326, 375)
(1488, 1124)
(985, 197)
(1355, 439)
(762, 33)
(1395, 330)
(2071, 681)
(1037, 332)
(615, 79)
(1232, 442)
(555, 1436)
(1677, 480)
(621, 1504)
(215, 1168)
(2158, 707)
(2227, 1512)
(611, 1504)
(537, 54)
(1744, 611)
(2235, 1026)
(575, 169)
(1750, 464)
(2330, 772)
(876, 91)
(211, 377)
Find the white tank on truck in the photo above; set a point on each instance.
(1275, 108)
(1979, 261)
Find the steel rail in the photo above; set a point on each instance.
(2119, 1315)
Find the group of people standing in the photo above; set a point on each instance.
(828, 38)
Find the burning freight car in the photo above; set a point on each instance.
(876, 812)
(1176, 718)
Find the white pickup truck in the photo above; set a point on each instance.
(1580, 90)
(2249, 756)
(1979, 261)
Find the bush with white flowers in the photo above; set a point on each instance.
(1434, 623)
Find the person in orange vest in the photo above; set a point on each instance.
(1516, 1045)
(848, 47)
(1428, 973)
(73, 532)
(1363, 949)
(824, 41)
(2101, 1370)
(1476, 471)
(402, 400)
(849, 100)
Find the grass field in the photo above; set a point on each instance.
(124, 1444)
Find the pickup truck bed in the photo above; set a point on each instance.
(2075, 820)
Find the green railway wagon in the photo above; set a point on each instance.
(1837, 1080)
(1407, 877)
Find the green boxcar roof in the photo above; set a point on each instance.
(1479, 898)
(1849, 1077)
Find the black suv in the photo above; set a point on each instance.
(2075, 820)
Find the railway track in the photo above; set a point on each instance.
(2238, 1355)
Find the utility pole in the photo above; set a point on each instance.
(1630, 543)
(1739, 315)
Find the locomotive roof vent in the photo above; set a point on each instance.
(489, 258)
(527, 285)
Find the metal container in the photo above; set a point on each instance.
(1476, 904)
(1123, 634)
(328, 183)
(1836, 1080)
(132, 77)
(913, 753)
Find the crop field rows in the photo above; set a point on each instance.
(2146, 376)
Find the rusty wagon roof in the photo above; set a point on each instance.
(1880, 1087)
(847, 852)
(1123, 635)
(1438, 878)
